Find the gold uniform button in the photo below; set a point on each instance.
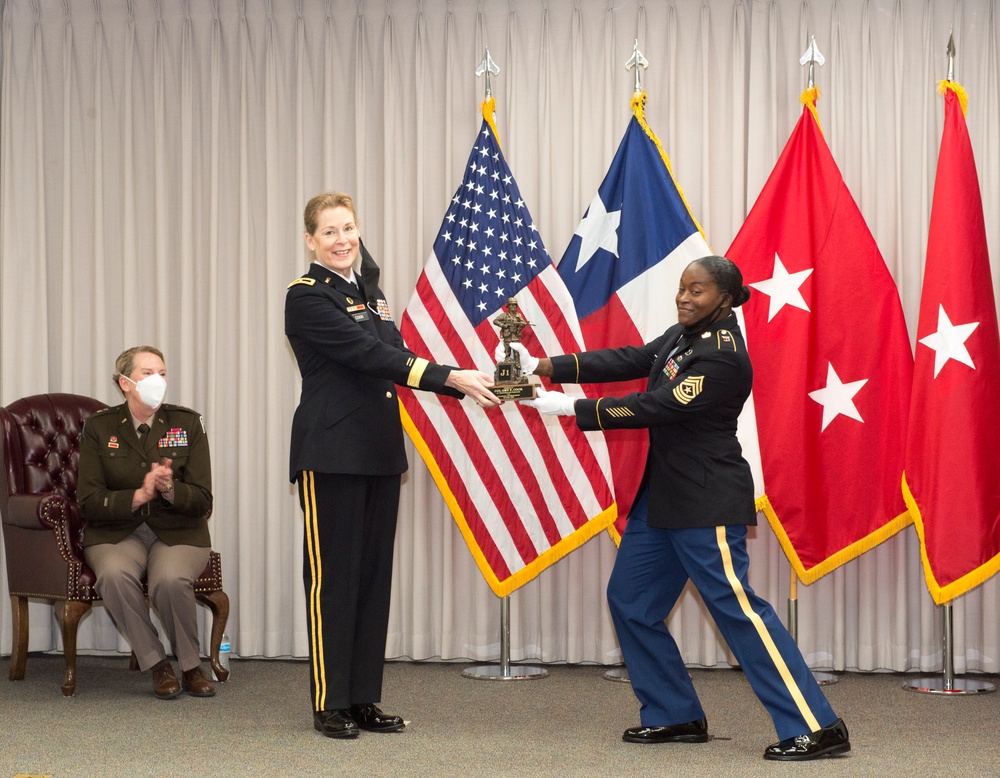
(388, 395)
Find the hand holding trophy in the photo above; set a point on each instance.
(513, 379)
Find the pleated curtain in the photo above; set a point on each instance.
(156, 155)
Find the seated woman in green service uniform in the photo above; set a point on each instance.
(145, 491)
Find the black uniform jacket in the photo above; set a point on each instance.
(113, 464)
(695, 469)
(350, 355)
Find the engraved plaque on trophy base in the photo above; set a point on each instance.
(507, 387)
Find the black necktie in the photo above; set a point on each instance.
(143, 429)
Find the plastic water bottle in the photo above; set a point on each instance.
(224, 649)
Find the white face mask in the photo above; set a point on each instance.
(151, 389)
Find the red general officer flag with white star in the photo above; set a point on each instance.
(831, 357)
(953, 446)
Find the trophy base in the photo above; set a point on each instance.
(525, 389)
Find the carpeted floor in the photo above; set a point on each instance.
(568, 724)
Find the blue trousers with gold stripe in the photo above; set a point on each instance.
(350, 528)
(651, 569)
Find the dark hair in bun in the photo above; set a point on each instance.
(727, 277)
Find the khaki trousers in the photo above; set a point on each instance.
(170, 572)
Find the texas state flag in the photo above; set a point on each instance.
(622, 268)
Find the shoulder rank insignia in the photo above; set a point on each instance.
(304, 280)
(688, 389)
(726, 340)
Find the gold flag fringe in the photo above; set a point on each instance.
(958, 89)
(589, 529)
(489, 108)
(955, 589)
(808, 98)
(844, 555)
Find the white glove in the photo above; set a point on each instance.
(528, 362)
(552, 403)
(499, 352)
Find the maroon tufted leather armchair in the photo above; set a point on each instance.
(43, 528)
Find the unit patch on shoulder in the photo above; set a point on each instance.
(726, 340)
(688, 389)
(304, 280)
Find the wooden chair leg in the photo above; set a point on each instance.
(68, 614)
(19, 645)
(218, 603)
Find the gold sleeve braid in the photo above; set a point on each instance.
(419, 365)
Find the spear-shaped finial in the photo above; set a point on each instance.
(951, 55)
(813, 57)
(635, 62)
(488, 66)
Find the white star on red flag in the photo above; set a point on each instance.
(783, 288)
(949, 342)
(837, 398)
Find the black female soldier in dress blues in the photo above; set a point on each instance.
(690, 518)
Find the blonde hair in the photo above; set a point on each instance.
(125, 363)
(321, 202)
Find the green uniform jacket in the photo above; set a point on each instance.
(113, 464)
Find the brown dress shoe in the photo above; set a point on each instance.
(196, 684)
(165, 685)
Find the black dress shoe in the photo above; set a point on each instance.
(691, 732)
(823, 742)
(335, 723)
(370, 718)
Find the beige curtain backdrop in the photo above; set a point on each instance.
(157, 154)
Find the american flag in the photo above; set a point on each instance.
(524, 489)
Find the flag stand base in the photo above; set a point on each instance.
(948, 684)
(617, 674)
(505, 671)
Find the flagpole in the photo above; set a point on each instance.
(634, 62)
(948, 684)
(823, 679)
(505, 671)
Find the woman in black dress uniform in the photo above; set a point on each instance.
(347, 456)
(689, 520)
